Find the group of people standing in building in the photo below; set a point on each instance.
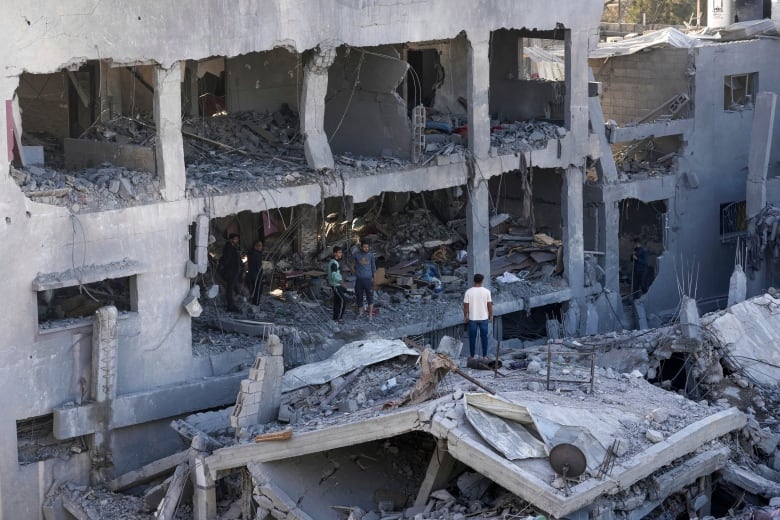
(236, 277)
(477, 301)
(363, 265)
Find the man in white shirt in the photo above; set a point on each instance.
(478, 313)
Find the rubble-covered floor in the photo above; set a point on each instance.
(231, 153)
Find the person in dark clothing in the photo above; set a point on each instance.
(335, 281)
(255, 274)
(231, 269)
(640, 269)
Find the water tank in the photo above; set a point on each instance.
(720, 13)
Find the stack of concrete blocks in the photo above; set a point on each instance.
(260, 395)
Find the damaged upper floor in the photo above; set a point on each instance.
(104, 132)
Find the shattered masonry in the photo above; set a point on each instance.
(455, 140)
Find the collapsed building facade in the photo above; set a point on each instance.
(137, 138)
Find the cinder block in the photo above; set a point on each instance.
(243, 422)
(250, 410)
(248, 386)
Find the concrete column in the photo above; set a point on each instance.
(776, 11)
(576, 104)
(478, 94)
(478, 227)
(7, 88)
(169, 148)
(192, 107)
(573, 244)
(204, 494)
(306, 234)
(202, 243)
(104, 374)
(312, 107)
(439, 470)
(609, 243)
(760, 147)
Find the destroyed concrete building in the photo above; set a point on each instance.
(137, 138)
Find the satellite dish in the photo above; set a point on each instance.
(567, 460)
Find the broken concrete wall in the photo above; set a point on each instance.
(636, 84)
(453, 55)
(37, 369)
(263, 81)
(716, 152)
(514, 99)
(338, 477)
(363, 112)
(719, 158)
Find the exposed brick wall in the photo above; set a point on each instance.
(636, 84)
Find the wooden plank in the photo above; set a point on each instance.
(147, 472)
(170, 501)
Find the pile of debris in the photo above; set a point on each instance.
(138, 131)
(93, 189)
(762, 237)
(523, 136)
(640, 160)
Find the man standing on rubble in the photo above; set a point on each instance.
(255, 280)
(231, 268)
(364, 266)
(478, 313)
(639, 276)
(335, 281)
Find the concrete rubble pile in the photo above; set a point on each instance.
(639, 160)
(123, 130)
(523, 136)
(92, 189)
(762, 237)
(647, 446)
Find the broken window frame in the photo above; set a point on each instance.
(525, 64)
(748, 90)
(33, 433)
(84, 276)
(733, 220)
